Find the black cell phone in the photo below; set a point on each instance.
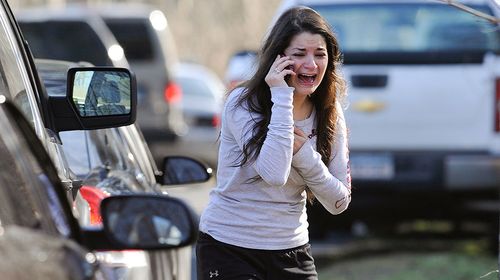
(289, 67)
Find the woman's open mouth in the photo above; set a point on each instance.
(307, 79)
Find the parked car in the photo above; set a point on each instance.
(240, 67)
(34, 205)
(203, 95)
(34, 187)
(72, 33)
(144, 33)
(424, 81)
(19, 84)
(115, 161)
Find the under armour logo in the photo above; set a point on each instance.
(214, 274)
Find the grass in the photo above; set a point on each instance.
(453, 265)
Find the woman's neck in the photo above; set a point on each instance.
(302, 108)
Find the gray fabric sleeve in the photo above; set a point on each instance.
(331, 185)
(273, 164)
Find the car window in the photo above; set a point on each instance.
(139, 148)
(133, 36)
(97, 154)
(65, 40)
(14, 82)
(410, 28)
(133, 160)
(27, 196)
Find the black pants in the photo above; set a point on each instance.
(217, 261)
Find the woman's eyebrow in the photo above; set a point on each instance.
(304, 49)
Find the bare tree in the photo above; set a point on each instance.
(470, 10)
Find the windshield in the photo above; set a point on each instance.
(65, 40)
(133, 36)
(410, 28)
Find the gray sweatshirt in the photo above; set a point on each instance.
(270, 213)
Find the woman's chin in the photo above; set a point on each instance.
(304, 90)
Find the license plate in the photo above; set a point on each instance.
(372, 166)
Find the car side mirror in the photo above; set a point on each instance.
(96, 97)
(179, 170)
(148, 221)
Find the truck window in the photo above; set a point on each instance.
(414, 30)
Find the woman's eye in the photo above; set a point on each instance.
(298, 54)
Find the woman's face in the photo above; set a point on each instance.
(308, 51)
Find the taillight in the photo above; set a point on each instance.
(173, 93)
(497, 105)
(93, 196)
(215, 120)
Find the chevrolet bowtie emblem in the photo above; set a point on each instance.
(368, 106)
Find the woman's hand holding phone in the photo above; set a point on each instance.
(281, 67)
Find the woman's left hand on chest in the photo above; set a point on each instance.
(299, 138)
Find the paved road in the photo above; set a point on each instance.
(196, 195)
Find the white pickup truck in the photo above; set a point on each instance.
(424, 105)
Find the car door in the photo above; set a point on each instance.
(39, 233)
(37, 226)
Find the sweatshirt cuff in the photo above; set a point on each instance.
(282, 96)
(282, 110)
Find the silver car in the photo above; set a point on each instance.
(36, 189)
(203, 99)
(116, 161)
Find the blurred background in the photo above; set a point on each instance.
(207, 32)
(424, 233)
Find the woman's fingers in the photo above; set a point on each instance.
(277, 72)
(284, 64)
(298, 140)
(299, 132)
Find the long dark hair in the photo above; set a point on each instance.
(257, 95)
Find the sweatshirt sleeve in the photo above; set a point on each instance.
(273, 163)
(330, 184)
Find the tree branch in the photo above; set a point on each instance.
(470, 10)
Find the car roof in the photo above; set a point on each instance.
(198, 71)
(73, 12)
(241, 66)
(68, 12)
(315, 2)
(192, 69)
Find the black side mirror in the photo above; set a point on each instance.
(148, 221)
(184, 170)
(96, 97)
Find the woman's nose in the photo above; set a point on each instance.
(310, 62)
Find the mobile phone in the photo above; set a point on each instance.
(289, 67)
